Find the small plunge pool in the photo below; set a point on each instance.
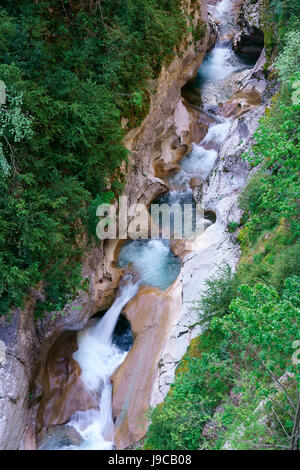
(154, 261)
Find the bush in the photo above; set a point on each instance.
(201, 381)
(246, 351)
(220, 290)
(233, 226)
(288, 62)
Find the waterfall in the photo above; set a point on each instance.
(98, 358)
(103, 331)
(200, 161)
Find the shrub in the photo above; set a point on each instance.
(220, 290)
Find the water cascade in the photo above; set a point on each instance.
(98, 358)
(200, 161)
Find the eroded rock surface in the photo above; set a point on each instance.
(18, 350)
(250, 39)
(152, 315)
(248, 90)
(64, 393)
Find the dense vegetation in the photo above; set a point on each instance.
(238, 386)
(72, 70)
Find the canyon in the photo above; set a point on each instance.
(44, 385)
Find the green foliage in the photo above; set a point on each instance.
(261, 328)
(220, 290)
(279, 17)
(256, 423)
(270, 201)
(285, 14)
(246, 351)
(288, 62)
(72, 71)
(200, 384)
(233, 226)
(104, 198)
(199, 32)
(37, 230)
(15, 126)
(286, 262)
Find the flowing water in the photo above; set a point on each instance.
(217, 67)
(98, 358)
(153, 260)
(221, 63)
(200, 161)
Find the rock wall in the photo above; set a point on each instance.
(161, 140)
(249, 41)
(17, 352)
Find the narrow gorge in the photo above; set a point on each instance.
(89, 376)
(160, 315)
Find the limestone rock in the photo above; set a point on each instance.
(152, 315)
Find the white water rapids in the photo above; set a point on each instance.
(200, 161)
(98, 358)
